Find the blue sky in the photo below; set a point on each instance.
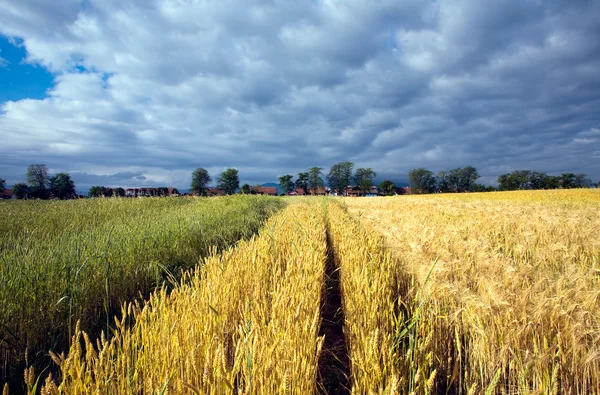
(18, 78)
(141, 93)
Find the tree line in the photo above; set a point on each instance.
(528, 179)
(40, 185)
(464, 180)
(340, 176)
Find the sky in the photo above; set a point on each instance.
(142, 92)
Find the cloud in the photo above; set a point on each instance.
(3, 62)
(161, 88)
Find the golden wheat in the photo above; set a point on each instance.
(247, 321)
(512, 303)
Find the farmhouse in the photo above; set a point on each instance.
(215, 192)
(320, 191)
(6, 194)
(148, 192)
(258, 190)
(353, 191)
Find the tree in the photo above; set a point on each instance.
(285, 183)
(20, 190)
(2, 184)
(567, 180)
(581, 181)
(462, 179)
(479, 188)
(364, 179)
(537, 180)
(340, 175)
(62, 186)
(245, 189)
(37, 179)
(200, 180)
(120, 192)
(551, 182)
(505, 182)
(387, 187)
(518, 179)
(100, 191)
(229, 181)
(302, 181)
(315, 179)
(421, 181)
(442, 181)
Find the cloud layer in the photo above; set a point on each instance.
(159, 88)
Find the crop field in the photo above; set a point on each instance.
(495, 293)
(68, 261)
(507, 289)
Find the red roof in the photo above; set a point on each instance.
(264, 190)
(6, 194)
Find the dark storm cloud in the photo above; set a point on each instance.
(154, 90)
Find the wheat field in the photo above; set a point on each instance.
(494, 293)
(507, 295)
(79, 260)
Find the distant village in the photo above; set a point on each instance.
(350, 191)
(341, 180)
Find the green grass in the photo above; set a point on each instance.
(68, 261)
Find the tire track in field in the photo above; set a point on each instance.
(334, 361)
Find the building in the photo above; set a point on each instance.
(352, 191)
(403, 191)
(215, 192)
(258, 190)
(6, 194)
(320, 191)
(149, 192)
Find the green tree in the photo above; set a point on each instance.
(421, 181)
(479, 188)
(245, 189)
(62, 186)
(551, 182)
(229, 181)
(96, 191)
(518, 179)
(302, 181)
(462, 179)
(120, 192)
(568, 180)
(315, 179)
(37, 179)
(20, 191)
(442, 181)
(364, 179)
(285, 183)
(2, 184)
(200, 180)
(387, 187)
(340, 175)
(582, 181)
(537, 180)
